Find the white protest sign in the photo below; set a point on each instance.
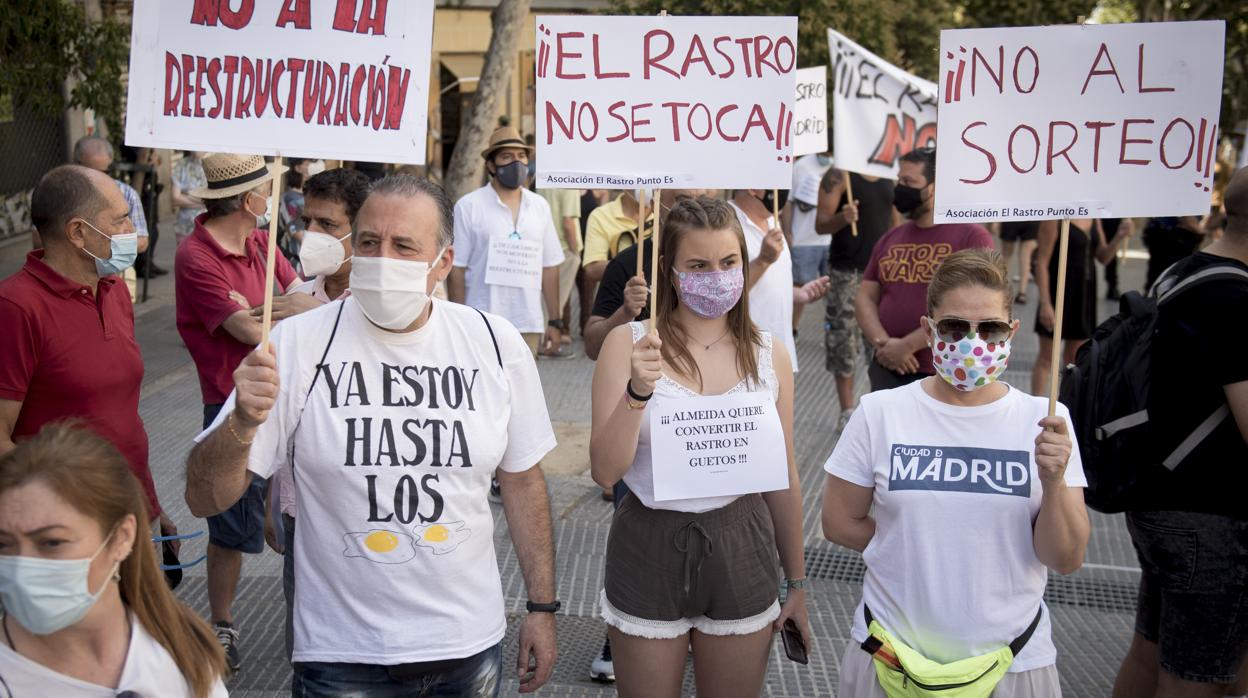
(879, 111)
(1100, 121)
(717, 446)
(810, 109)
(514, 262)
(332, 78)
(629, 102)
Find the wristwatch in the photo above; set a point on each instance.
(558, 325)
(553, 607)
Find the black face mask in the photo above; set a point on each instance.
(512, 174)
(906, 199)
(769, 200)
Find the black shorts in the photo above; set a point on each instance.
(1193, 599)
(1020, 230)
(241, 527)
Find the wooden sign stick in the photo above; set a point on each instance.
(1059, 309)
(775, 205)
(641, 229)
(270, 261)
(849, 192)
(654, 257)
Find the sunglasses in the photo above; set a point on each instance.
(988, 330)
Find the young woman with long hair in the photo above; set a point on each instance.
(700, 571)
(86, 607)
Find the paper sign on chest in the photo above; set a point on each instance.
(810, 104)
(635, 102)
(1099, 121)
(329, 78)
(715, 446)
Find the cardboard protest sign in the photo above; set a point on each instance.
(810, 107)
(1100, 121)
(879, 111)
(332, 79)
(632, 102)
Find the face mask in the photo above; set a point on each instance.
(710, 294)
(391, 292)
(769, 200)
(906, 199)
(321, 254)
(48, 595)
(262, 219)
(123, 248)
(969, 362)
(316, 167)
(824, 160)
(512, 174)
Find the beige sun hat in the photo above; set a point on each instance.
(505, 137)
(229, 174)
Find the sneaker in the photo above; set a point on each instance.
(227, 635)
(840, 423)
(602, 669)
(496, 493)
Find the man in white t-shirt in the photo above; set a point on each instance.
(508, 251)
(397, 410)
(810, 250)
(771, 266)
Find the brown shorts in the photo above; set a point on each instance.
(669, 572)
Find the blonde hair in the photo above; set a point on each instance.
(90, 474)
(984, 267)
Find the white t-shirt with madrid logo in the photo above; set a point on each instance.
(393, 455)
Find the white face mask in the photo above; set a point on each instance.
(321, 254)
(268, 209)
(391, 292)
(48, 595)
(316, 167)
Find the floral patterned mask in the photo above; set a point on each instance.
(969, 362)
(710, 294)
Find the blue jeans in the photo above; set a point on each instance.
(478, 675)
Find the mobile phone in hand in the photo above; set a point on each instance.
(794, 647)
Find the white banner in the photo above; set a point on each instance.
(810, 107)
(716, 446)
(310, 78)
(514, 262)
(1099, 121)
(879, 111)
(700, 102)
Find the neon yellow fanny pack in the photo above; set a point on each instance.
(904, 673)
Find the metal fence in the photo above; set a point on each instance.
(31, 143)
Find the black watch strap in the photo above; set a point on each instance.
(558, 325)
(552, 607)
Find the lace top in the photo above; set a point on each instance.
(640, 475)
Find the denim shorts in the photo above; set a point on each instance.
(478, 675)
(241, 527)
(809, 263)
(1193, 600)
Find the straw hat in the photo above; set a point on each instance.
(505, 137)
(229, 174)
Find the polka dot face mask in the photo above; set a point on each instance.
(971, 358)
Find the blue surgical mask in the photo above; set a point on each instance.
(123, 249)
(46, 596)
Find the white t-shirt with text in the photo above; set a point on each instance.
(771, 299)
(393, 455)
(952, 569)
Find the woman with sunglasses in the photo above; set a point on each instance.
(961, 493)
(86, 610)
(699, 570)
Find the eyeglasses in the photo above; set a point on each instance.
(987, 330)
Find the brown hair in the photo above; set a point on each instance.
(975, 267)
(691, 217)
(90, 474)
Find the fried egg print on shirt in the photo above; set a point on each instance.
(380, 545)
(441, 537)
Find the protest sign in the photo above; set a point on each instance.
(632, 102)
(342, 79)
(514, 262)
(716, 446)
(879, 111)
(1079, 121)
(810, 109)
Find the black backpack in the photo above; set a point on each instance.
(1106, 390)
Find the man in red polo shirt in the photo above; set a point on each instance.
(219, 276)
(67, 346)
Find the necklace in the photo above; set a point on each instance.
(707, 347)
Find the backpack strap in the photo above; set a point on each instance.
(315, 377)
(1199, 434)
(1217, 272)
(493, 338)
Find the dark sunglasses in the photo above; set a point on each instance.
(988, 330)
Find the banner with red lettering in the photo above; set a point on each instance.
(1078, 121)
(810, 104)
(879, 111)
(685, 102)
(341, 79)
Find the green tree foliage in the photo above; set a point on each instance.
(45, 42)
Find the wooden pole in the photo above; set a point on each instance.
(641, 229)
(1059, 309)
(270, 261)
(849, 192)
(775, 205)
(654, 257)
